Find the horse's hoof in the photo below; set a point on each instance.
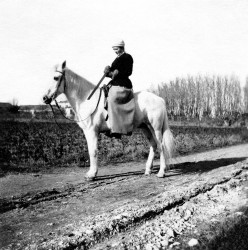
(160, 175)
(90, 178)
(147, 173)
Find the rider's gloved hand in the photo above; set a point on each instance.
(106, 69)
(114, 73)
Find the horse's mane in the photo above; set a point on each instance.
(77, 82)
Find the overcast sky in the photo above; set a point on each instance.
(167, 38)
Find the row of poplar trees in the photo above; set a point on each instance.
(204, 96)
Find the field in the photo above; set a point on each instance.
(47, 204)
(37, 146)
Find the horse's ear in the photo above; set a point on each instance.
(63, 64)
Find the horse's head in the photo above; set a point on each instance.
(59, 87)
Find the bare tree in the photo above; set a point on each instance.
(195, 97)
(15, 107)
(245, 89)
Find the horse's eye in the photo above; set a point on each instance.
(56, 78)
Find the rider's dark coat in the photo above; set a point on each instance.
(124, 64)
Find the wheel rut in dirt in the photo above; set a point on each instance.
(28, 199)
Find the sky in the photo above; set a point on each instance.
(166, 38)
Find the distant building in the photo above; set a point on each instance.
(64, 104)
(5, 105)
(67, 108)
(37, 111)
(36, 108)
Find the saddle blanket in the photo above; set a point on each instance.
(121, 108)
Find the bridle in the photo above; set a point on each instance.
(59, 78)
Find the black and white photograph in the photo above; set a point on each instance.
(123, 124)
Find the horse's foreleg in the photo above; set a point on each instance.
(153, 146)
(92, 138)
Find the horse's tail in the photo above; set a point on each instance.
(168, 142)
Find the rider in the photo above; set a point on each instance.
(120, 97)
(121, 67)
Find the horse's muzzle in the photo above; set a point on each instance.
(46, 99)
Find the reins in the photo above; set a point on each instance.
(54, 117)
(73, 120)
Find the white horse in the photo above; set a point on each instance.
(150, 116)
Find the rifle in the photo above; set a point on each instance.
(94, 90)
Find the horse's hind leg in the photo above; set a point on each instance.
(153, 147)
(163, 167)
(155, 138)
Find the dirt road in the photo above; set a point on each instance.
(122, 208)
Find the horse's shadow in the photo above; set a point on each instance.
(131, 173)
(181, 168)
(205, 166)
